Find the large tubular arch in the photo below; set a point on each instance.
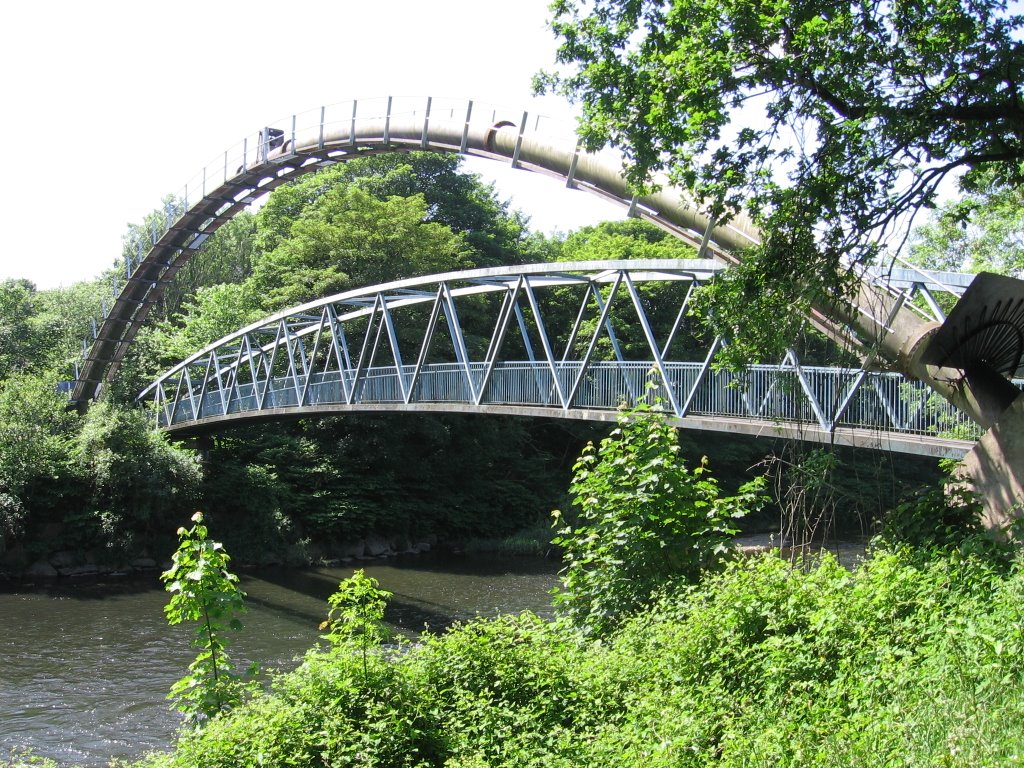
(879, 323)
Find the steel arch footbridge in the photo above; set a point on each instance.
(566, 340)
(881, 322)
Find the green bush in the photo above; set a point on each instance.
(910, 659)
(643, 517)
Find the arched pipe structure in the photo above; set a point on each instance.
(883, 323)
(566, 340)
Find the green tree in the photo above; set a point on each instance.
(16, 309)
(629, 239)
(347, 238)
(137, 481)
(829, 122)
(38, 476)
(357, 615)
(459, 201)
(210, 313)
(203, 590)
(981, 231)
(63, 318)
(643, 518)
(225, 258)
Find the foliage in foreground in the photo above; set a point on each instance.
(204, 591)
(643, 517)
(907, 660)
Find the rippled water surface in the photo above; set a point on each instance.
(84, 668)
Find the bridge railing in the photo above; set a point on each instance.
(826, 398)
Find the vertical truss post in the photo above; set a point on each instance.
(458, 340)
(886, 404)
(519, 141)
(292, 348)
(244, 352)
(701, 373)
(529, 348)
(679, 319)
(220, 381)
(653, 345)
(603, 318)
(339, 346)
(546, 343)
(363, 364)
(825, 424)
(267, 365)
(396, 352)
(205, 385)
(428, 339)
(465, 128)
(426, 125)
(312, 358)
(570, 178)
(705, 241)
(501, 325)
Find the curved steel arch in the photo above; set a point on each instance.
(376, 348)
(883, 323)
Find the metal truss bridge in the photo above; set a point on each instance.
(569, 340)
(883, 323)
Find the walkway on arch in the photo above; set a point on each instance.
(565, 340)
(883, 323)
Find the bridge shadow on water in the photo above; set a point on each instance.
(428, 591)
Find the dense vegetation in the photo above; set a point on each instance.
(675, 658)
(668, 650)
(908, 660)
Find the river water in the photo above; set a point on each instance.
(85, 667)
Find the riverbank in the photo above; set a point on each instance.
(88, 662)
(764, 664)
(19, 568)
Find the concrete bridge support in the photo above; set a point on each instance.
(995, 467)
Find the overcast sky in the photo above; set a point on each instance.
(108, 106)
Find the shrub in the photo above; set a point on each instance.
(644, 517)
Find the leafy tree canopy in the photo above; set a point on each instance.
(983, 231)
(629, 239)
(828, 121)
(346, 239)
(453, 198)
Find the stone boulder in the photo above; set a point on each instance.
(377, 546)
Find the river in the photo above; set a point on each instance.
(85, 667)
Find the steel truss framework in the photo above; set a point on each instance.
(404, 345)
(880, 325)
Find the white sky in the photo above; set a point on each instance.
(109, 105)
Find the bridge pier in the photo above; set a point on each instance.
(995, 467)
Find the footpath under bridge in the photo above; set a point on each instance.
(567, 340)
